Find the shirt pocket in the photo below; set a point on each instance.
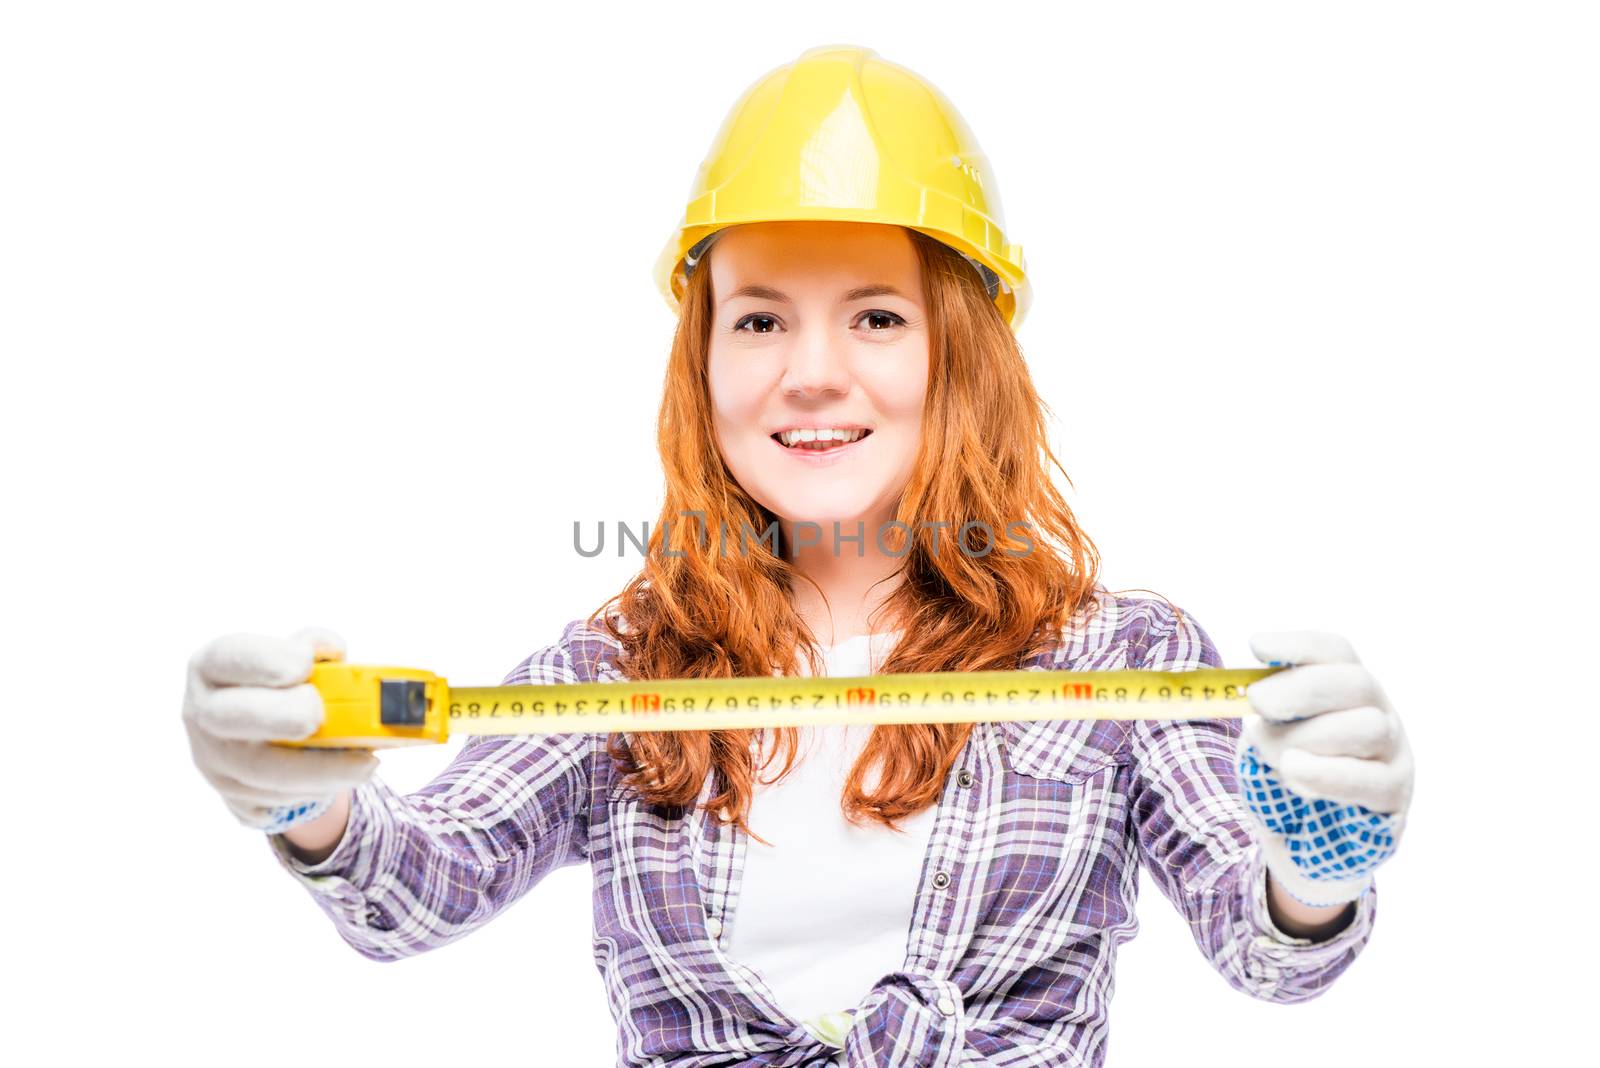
(648, 875)
(1065, 751)
(1063, 815)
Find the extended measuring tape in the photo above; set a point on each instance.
(379, 707)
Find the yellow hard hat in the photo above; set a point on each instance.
(841, 134)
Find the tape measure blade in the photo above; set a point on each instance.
(945, 697)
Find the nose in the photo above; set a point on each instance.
(816, 366)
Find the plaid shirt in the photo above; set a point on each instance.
(1027, 889)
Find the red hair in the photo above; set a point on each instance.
(718, 614)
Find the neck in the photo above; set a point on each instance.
(852, 577)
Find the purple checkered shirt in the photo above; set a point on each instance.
(1027, 889)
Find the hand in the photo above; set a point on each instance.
(1325, 768)
(246, 690)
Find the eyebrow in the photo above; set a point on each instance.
(859, 293)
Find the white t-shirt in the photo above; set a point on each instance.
(824, 912)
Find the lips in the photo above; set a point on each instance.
(819, 439)
(809, 454)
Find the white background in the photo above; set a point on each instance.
(341, 313)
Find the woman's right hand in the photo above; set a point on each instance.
(247, 690)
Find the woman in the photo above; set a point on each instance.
(849, 420)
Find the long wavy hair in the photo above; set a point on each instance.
(701, 612)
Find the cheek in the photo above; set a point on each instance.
(900, 391)
(727, 396)
(738, 390)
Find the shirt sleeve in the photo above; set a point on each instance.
(418, 871)
(1197, 840)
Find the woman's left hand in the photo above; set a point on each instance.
(1325, 767)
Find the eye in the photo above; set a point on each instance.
(888, 319)
(772, 324)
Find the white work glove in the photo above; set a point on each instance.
(246, 690)
(1325, 768)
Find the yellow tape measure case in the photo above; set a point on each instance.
(370, 707)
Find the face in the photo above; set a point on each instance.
(819, 334)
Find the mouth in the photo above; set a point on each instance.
(820, 439)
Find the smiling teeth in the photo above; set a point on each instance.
(795, 437)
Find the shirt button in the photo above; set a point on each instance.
(941, 880)
(714, 927)
(947, 1006)
(965, 778)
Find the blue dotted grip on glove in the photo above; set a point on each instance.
(1329, 841)
(283, 817)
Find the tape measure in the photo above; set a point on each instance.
(371, 707)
